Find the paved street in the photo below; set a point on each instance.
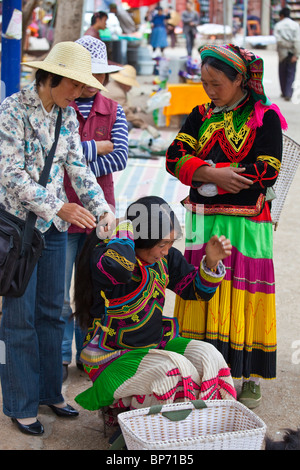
(280, 405)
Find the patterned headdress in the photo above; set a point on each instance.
(252, 69)
(244, 62)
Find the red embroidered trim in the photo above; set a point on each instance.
(219, 135)
(213, 209)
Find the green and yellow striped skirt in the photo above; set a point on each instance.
(240, 320)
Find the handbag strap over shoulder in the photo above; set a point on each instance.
(46, 170)
(31, 217)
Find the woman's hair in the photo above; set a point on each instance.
(218, 64)
(152, 220)
(98, 14)
(41, 76)
(83, 292)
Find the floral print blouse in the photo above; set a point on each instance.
(26, 137)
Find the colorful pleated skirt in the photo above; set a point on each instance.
(185, 370)
(240, 320)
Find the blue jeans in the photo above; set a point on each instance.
(32, 331)
(74, 246)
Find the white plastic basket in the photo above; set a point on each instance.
(209, 425)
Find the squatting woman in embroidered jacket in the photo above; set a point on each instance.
(229, 153)
(132, 353)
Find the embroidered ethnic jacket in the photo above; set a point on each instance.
(129, 295)
(226, 139)
(26, 137)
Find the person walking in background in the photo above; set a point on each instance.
(158, 39)
(104, 134)
(229, 152)
(190, 20)
(98, 21)
(31, 326)
(287, 34)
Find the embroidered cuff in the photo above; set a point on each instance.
(216, 274)
(186, 168)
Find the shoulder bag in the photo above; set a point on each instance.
(21, 243)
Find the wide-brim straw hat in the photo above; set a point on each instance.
(127, 76)
(97, 49)
(69, 60)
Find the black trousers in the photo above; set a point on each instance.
(287, 72)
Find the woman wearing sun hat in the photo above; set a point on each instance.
(118, 88)
(104, 134)
(229, 153)
(31, 328)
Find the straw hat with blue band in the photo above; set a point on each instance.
(71, 60)
(244, 62)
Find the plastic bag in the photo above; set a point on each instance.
(158, 100)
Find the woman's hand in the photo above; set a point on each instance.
(231, 180)
(106, 225)
(77, 215)
(228, 178)
(217, 248)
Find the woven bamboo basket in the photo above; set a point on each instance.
(289, 165)
(198, 425)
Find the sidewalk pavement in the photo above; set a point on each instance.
(280, 404)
